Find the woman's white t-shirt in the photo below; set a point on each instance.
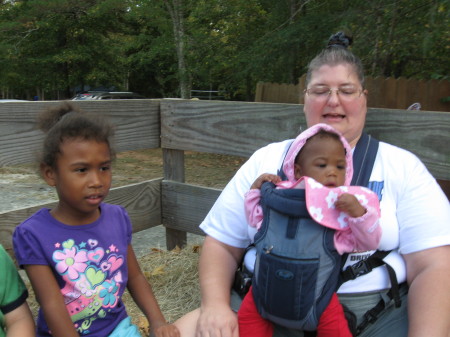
(415, 213)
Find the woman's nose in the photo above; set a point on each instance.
(333, 98)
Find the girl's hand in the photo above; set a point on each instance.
(349, 204)
(273, 178)
(167, 330)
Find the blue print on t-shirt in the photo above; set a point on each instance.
(377, 187)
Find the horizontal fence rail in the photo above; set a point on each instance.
(137, 125)
(232, 128)
(241, 128)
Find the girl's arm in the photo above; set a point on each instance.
(253, 210)
(365, 230)
(19, 322)
(142, 293)
(273, 178)
(49, 297)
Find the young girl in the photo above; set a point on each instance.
(78, 255)
(322, 154)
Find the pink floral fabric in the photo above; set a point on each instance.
(352, 234)
(320, 203)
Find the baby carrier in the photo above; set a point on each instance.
(297, 266)
(294, 279)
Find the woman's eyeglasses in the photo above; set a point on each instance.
(347, 93)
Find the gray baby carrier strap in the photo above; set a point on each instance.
(297, 266)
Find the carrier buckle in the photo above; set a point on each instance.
(358, 269)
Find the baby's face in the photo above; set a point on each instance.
(323, 159)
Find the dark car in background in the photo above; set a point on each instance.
(90, 95)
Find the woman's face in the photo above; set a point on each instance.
(344, 110)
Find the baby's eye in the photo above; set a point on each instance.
(341, 167)
(105, 168)
(81, 169)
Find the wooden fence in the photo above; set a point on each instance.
(390, 93)
(232, 128)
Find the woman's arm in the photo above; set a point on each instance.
(218, 263)
(51, 300)
(19, 322)
(428, 276)
(142, 293)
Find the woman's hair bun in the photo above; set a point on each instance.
(339, 40)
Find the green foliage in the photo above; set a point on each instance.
(61, 44)
(51, 48)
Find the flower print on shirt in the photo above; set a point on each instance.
(109, 293)
(92, 279)
(70, 260)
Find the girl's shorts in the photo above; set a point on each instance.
(126, 329)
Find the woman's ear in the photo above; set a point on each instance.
(48, 174)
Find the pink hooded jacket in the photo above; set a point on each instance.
(352, 234)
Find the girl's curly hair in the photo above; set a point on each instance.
(65, 122)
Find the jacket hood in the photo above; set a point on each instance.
(299, 142)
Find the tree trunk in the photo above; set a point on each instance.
(387, 69)
(175, 9)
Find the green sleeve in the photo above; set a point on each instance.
(12, 289)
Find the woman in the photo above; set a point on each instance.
(415, 218)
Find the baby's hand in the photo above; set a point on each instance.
(168, 330)
(349, 204)
(263, 178)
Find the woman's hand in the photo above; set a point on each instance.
(218, 263)
(217, 321)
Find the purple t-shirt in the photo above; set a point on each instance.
(88, 261)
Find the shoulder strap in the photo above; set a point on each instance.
(363, 159)
(280, 172)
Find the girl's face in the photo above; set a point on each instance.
(322, 159)
(346, 113)
(82, 178)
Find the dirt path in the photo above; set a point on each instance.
(22, 187)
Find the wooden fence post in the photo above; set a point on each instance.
(173, 164)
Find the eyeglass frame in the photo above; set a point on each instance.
(330, 92)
